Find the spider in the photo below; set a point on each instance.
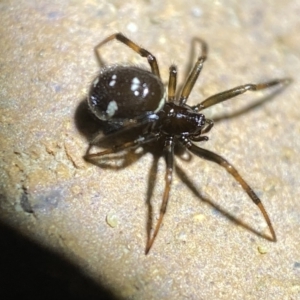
(131, 97)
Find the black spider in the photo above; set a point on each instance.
(130, 97)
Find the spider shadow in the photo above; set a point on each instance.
(247, 108)
(89, 126)
(189, 183)
(217, 207)
(250, 107)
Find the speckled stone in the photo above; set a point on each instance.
(212, 243)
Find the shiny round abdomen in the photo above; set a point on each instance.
(122, 92)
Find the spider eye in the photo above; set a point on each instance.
(201, 120)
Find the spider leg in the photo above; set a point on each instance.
(169, 152)
(208, 155)
(193, 76)
(127, 125)
(151, 184)
(220, 97)
(142, 52)
(199, 137)
(172, 83)
(208, 126)
(117, 148)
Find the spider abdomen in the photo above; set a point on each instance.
(122, 92)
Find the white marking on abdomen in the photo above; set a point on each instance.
(113, 80)
(135, 84)
(112, 107)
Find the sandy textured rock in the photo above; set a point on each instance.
(211, 244)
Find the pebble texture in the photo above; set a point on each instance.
(73, 229)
